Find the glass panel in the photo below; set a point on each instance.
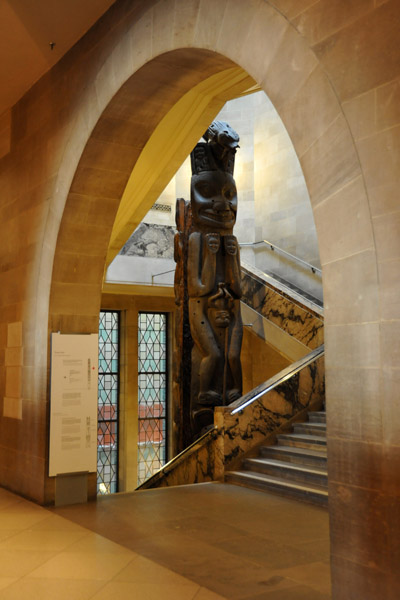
(107, 439)
(152, 386)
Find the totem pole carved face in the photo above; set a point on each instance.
(214, 201)
(220, 318)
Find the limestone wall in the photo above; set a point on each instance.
(273, 199)
(332, 71)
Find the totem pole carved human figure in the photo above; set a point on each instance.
(213, 276)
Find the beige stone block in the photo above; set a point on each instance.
(360, 114)
(28, 358)
(388, 105)
(185, 18)
(309, 113)
(85, 239)
(380, 162)
(234, 27)
(365, 54)
(105, 83)
(391, 482)
(359, 534)
(5, 132)
(12, 408)
(354, 403)
(331, 162)
(14, 335)
(390, 340)
(102, 210)
(74, 323)
(292, 64)
(99, 182)
(41, 114)
(122, 59)
(90, 110)
(13, 382)
(389, 289)
(109, 156)
(14, 282)
(42, 165)
(34, 224)
(13, 357)
(264, 30)
(351, 289)
(76, 299)
(53, 154)
(390, 405)
(72, 268)
(212, 13)
(356, 463)
(292, 8)
(41, 283)
(140, 39)
(324, 18)
(162, 30)
(387, 236)
(78, 205)
(111, 128)
(352, 346)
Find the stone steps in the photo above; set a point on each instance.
(295, 455)
(259, 481)
(310, 428)
(317, 416)
(298, 440)
(296, 466)
(290, 471)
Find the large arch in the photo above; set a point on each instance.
(181, 43)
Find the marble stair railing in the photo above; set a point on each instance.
(251, 421)
(284, 310)
(291, 271)
(199, 462)
(294, 466)
(258, 416)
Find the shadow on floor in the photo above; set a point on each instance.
(240, 543)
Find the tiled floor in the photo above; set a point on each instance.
(46, 557)
(200, 542)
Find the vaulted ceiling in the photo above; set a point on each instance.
(28, 30)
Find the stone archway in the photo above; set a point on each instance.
(102, 174)
(255, 36)
(135, 94)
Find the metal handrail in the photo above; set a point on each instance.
(296, 294)
(238, 406)
(273, 247)
(276, 380)
(177, 459)
(123, 282)
(163, 273)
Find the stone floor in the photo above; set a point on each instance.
(46, 557)
(213, 540)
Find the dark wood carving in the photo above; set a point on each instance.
(183, 339)
(208, 284)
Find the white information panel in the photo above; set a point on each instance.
(73, 403)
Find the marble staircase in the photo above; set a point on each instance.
(295, 466)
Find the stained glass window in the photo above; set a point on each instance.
(152, 390)
(107, 428)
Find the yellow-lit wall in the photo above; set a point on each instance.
(260, 361)
(273, 199)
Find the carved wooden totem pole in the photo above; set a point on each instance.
(207, 284)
